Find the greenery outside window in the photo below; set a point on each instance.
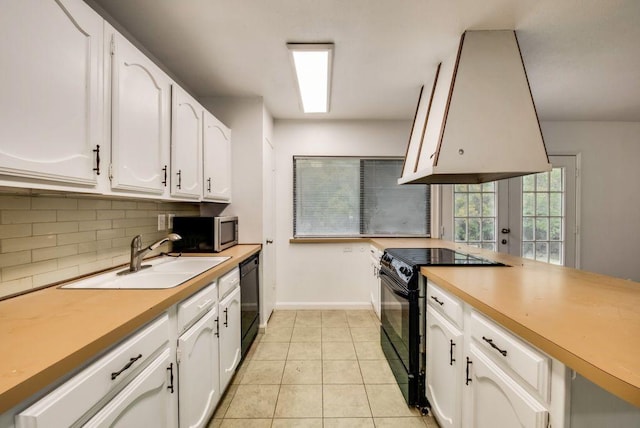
(356, 197)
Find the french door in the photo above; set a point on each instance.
(533, 216)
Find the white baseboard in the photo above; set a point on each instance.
(323, 305)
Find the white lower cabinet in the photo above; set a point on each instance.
(496, 400)
(147, 401)
(230, 336)
(444, 376)
(76, 400)
(482, 376)
(198, 371)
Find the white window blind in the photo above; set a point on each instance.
(356, 197)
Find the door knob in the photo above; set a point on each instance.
(505, 230)
(504, 242)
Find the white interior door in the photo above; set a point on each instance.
(268, 297)
(534, 216)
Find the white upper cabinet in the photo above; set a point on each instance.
(217, 160)
(140, 120)
(51, 107)
(186, 145)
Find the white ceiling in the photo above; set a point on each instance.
(582, 56)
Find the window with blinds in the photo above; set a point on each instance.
(349, 196)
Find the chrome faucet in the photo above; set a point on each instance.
(137, 252)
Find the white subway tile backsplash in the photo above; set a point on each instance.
(94, 204)
(109, 234)
(46, 239)
(74, 238)
(28, 243)
(76, 215)
(123, 205)
(44, 203)
(14, 202)
(16, 286)
(23, 271)
(24, 216)
(54, 252)
(55, 228)
(110, 214)
(54, 276)
(14, 230)
(17, 258)
(95, 225)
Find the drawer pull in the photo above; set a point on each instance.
(494, 346)
(438, 301)
(468, 379)
(114, 375)
(170, 368)
(451, 359)
(206, 302)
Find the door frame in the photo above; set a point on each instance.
(508, 194)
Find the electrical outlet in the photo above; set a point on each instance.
(170, 221)
(161, 222)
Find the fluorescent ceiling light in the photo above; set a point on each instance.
(312, 64)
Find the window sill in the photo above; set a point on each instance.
(327, 240)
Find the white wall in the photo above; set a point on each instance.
(610, 201)
(325, 275)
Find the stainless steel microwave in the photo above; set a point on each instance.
(205, 234)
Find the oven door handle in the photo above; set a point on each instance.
(392, 285)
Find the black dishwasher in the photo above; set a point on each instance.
(249, 301)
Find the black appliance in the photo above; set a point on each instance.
(403, 310)
(249, 301)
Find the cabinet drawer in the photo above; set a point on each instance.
(446, 303)
(228, 282)
(74, 398)
(190, 310)
(512, 353)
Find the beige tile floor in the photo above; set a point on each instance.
(314, 369)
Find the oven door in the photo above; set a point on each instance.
(399, 308)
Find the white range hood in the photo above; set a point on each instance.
(477, 122)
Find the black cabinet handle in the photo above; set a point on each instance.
(209, 184)
(217, 327)
(179, 173)
(114, 375)
(468, 379)
(494, 346)
(170, 368)
(164, 182)
(226, 317)
(438, 301)
(97, 152)
(451, 359)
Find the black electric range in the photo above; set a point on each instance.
(402, 296)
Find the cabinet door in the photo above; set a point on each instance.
(496, 400)
(230, 336)
(198, 371)
(149, 400)
(51, 105)
(186, 145)
(217, 160)
(444, 369)
(140, 120)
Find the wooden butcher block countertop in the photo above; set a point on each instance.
(589, 322)
(51, 332)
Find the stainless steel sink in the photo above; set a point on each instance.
(163, 272)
